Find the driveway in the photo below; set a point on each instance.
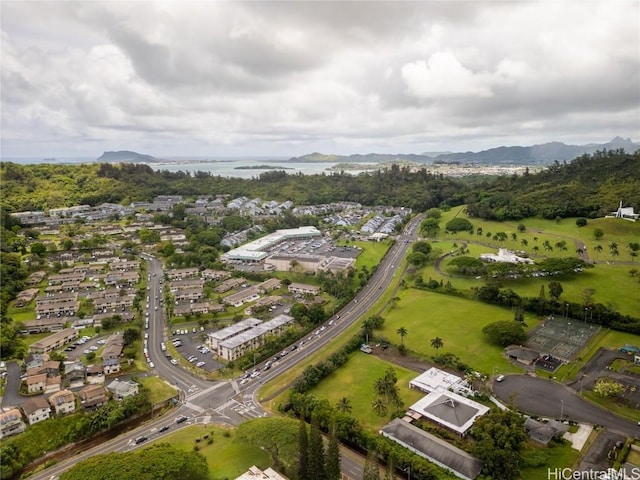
(544, 397)
(11, 396)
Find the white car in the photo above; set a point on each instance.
(174, 361)
(151, 365)
(200, 364)
(500, 378)
(163, 346)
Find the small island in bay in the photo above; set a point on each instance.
(262, 167)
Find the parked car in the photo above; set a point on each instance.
(500, 378)
(200, 364)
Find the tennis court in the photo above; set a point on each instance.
(561, 337)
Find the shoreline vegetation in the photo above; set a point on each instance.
(262, 167)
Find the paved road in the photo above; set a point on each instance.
(544, 397)
(229, 402)
(11, 396)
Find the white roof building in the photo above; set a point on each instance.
(254, 473)
(257, 250)
(504, 256)
(625, 213)
(436, 380)
(452, 411)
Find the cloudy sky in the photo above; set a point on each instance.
(287, 78)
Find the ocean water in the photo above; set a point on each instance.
(226, 167)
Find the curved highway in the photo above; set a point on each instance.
(230, 402)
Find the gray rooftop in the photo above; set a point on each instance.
(451, 411)
(235, 329)
(433, 448)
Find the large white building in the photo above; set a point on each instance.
(435, 379)
(238, 345)
(446, 402)
(215, 338)
(257, 250)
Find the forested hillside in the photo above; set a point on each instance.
(589, 186)
(39, 187)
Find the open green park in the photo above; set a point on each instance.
(457, 321)
(355, 381)
(226, 457)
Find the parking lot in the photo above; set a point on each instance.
(83, 346)
(188, 348)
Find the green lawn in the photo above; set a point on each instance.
(614, 405)
(371, 254)
(159, 390)
(22, 316)
(555, 456)
(355, 381)
(457, 321)
(612, 281)
(225, 457)
(633, 457)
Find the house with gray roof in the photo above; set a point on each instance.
(11, 423)
(36, 410)
(451, 458)
(543, 432)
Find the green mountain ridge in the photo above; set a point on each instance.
(126, 156)
(542, 154)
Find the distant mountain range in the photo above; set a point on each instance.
(534, 155)
(127, 157)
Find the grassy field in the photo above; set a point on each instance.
(538, 230)
(159, 390)
(355, 381)
(555, 456)
(633, 457)
(225, 457)
(611, 281)
(371, 253)
(457, 321)
(614, 405)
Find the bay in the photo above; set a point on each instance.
(225, 167)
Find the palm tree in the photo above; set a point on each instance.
(403, 333)
(344, 405)
(379, 406)
(597, 249)
(437, 343)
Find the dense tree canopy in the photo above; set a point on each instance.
(277, 436)
(505, 332)
(158, 462)
(500, 437)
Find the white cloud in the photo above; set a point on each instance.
(443, 76)
(282, 78)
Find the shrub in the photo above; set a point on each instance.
(581, 222)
